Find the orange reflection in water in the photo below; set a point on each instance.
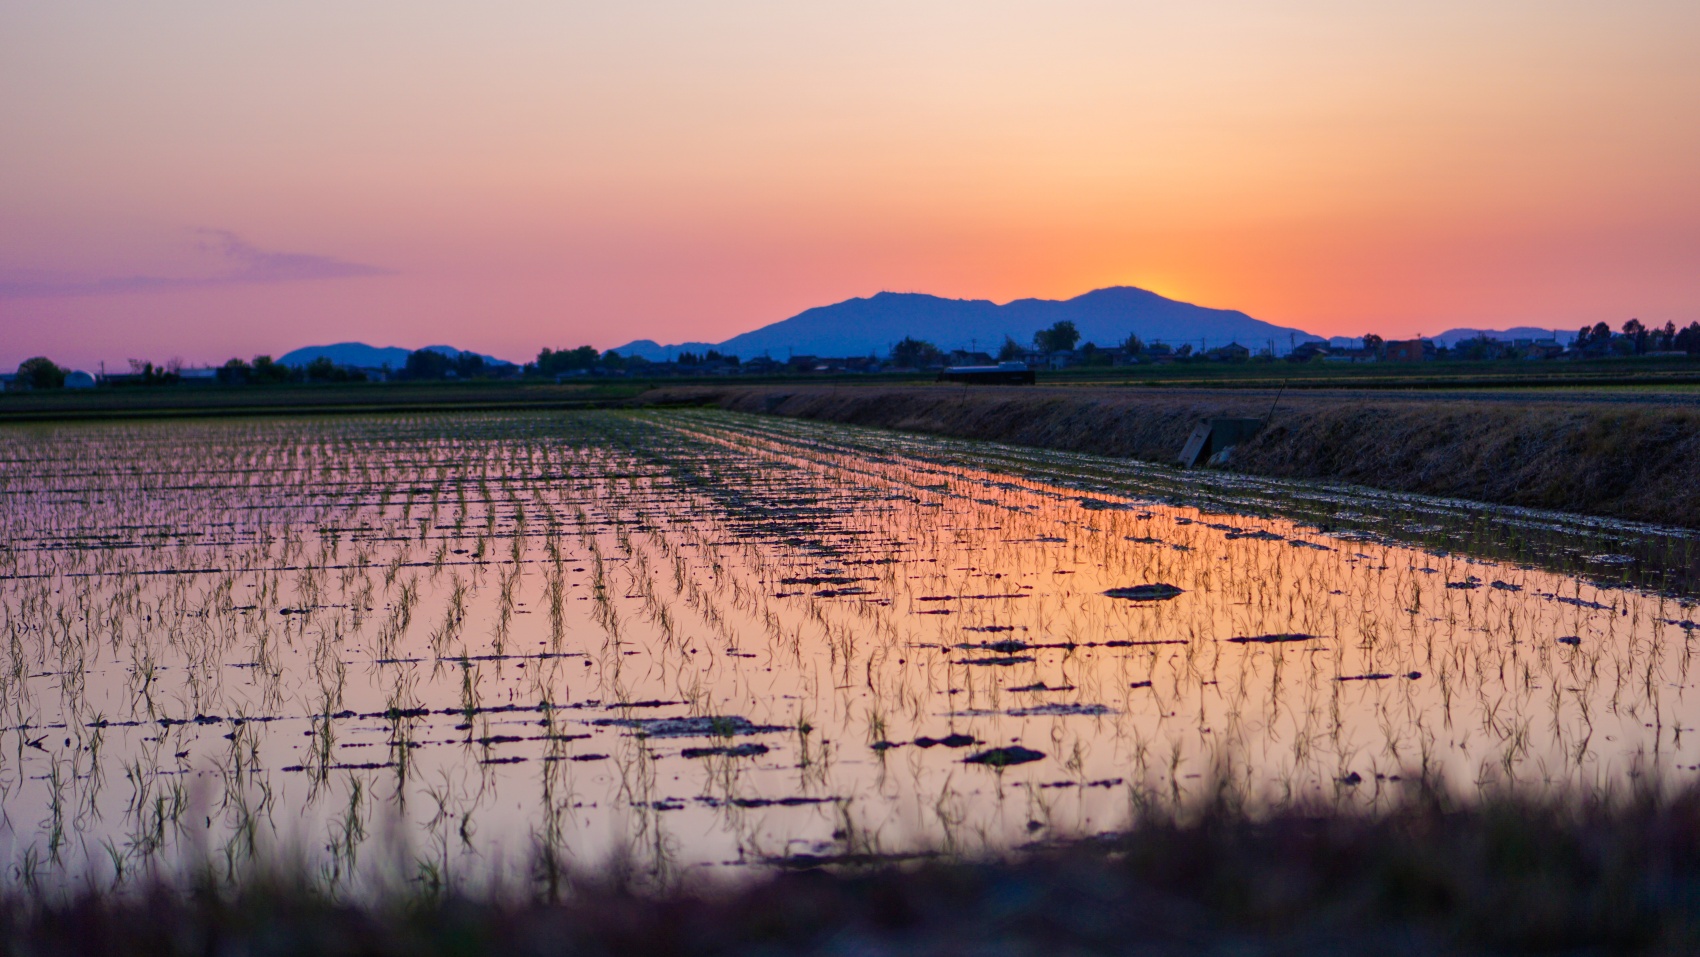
(697, 638)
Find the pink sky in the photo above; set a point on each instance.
(202, 180)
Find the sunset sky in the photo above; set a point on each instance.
(209, 179)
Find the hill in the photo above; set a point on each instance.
(1105, 316)
(363, 356)
(1452, 337)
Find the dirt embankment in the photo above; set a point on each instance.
(1634, 461)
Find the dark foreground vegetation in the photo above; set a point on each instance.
(1425, 877)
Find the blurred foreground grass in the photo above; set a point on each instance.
(1506, 875)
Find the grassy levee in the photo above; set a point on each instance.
(1508, 875)
(1661, 372)
(214, 401)
(294, 399)
(1631, 460)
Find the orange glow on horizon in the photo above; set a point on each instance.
(551, 175)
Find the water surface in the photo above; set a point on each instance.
(473, 647)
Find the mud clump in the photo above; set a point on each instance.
(948, 741)
(1154, 592)
(707, 726)
(1004, 757)
(1271, 639)
(731, 751)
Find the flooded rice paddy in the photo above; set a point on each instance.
(498, 647)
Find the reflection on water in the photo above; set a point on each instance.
(462, 642)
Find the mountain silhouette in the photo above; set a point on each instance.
(871, 325)
(1452, 337)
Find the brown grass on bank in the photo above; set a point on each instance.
(1640, 463)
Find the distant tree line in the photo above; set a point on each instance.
(431, 364)
(1635, 338)
(1639, 339)
(264, 370)
(585, 360)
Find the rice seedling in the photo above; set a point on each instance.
(337, 623)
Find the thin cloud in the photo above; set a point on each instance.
(243, 264)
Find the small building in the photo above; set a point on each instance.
(78, 379)
(962, 357)
(1308, 351)
(1004, 373)
(1406, 350)
(1232, 352)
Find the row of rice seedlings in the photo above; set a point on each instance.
(646, 543)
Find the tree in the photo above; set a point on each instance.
(1132, 345)
(323, 369)
(468, 365)
(1061, 337)
(1091, 355)
(1688, 340)
(553, 363)
(1010, 351)
(235, 372)
(151, 374)
(265, 370)
(1374, 343)
(40, 372)
(1636, 333)
(426, 364)
(914, 353)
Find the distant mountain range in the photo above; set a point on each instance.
(368, 357)
(1452, 337)
(857, 327)
(870, 326)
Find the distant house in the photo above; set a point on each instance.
(1004, 373)
(963, 357)
(1160, 352)
(78, 379)
(1308, 351)
(1350, 355)
(1407, 350)
(1481, 349)
(1232, 352)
